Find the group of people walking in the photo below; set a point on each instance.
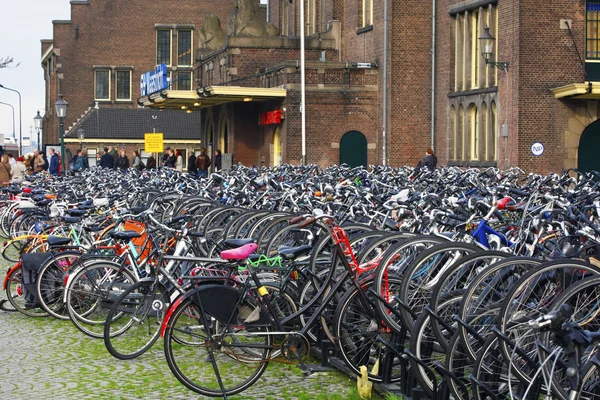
(198, 165)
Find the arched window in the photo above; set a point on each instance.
(472, 133)
(452, 134)
(460, 134)
(484, 131)
(493, 134)
(224, 136)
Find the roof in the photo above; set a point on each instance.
(133, 123)
(209, 96)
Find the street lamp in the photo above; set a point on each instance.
(487, 46)
(61, 112)
(37, 121)
(13, 110)
(20, 120)
(81, 136)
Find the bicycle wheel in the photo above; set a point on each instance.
(590, 383)
(212, 358)
(51, 281)
(483, 298)
(491, 377)
(92, 291)
(460, 365)
(133, 322)
(533, 295)
(16, 295)
(363, 339)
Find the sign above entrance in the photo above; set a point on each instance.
(537, 149)
(153, 143)
(154, 81)
(269, 117)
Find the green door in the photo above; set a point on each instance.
(353, 149)
(589, 146)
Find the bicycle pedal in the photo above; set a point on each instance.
(307, 372)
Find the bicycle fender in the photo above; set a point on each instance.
(9, 272)
(224, 298)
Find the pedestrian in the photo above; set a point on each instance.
(106, 161)
(123, 161)
(218, 160)
(38, 162)
(192, 163)
(202, 163)
(114, 154)
(46, 162)
(28, 163)
(5, 170)
(178, 161)
(18, 170)
(171, 158)
(81, 162)
(136, 163)
(430, 160)
(151, 162)
(54, 162)
(11, 159)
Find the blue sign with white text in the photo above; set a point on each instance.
(154, 81)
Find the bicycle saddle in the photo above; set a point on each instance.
(74, 212)
(241, 253)
(58, 240)
(235, 243)
(71, 220)
(291, 253)
(125, 235)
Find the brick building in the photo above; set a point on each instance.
(439, 90)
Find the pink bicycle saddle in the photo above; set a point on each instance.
(241, 253)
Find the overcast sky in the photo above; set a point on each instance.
(24, 24)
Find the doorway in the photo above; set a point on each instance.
(353, 149)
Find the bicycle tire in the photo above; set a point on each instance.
(194, 356)
(50, 284)
(15, 294)
(90, 293)
(133, 322)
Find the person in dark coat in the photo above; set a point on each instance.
(202, 163)
(106, 161)
(114, 154)
(430, 160)
(53, 169)
(192, 163)
(171, 158)
(151, 162)
(122, 161)
(217, 161)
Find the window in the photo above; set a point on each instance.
(470, 72)
(91, 154)
(367, 12)
(310, 17)
(163, 46)
(184, 47)
(183, 80)
(102, 84)
(123, 85)
(284, 19)
(592, 45)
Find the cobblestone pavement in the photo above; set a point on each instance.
(44, 358)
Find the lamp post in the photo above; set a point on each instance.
(61, 112)
(81, 136)
(13, 111)
(20, 120)
(37, 121)
(487, 46)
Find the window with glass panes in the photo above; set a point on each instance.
(367, 12)
(184, 47)
(102, 83)
(123, 85)
(592, 45)
(184, 80)
(163, 46)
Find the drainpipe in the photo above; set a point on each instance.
(302, 83)
(433, 75)
(268, 11)
(385, 82)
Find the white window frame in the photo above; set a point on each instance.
(96, 84)
(117, 84)
(170, 46)
(191, 47)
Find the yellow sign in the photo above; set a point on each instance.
(153, 143)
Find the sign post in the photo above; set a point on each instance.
(153, 143)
